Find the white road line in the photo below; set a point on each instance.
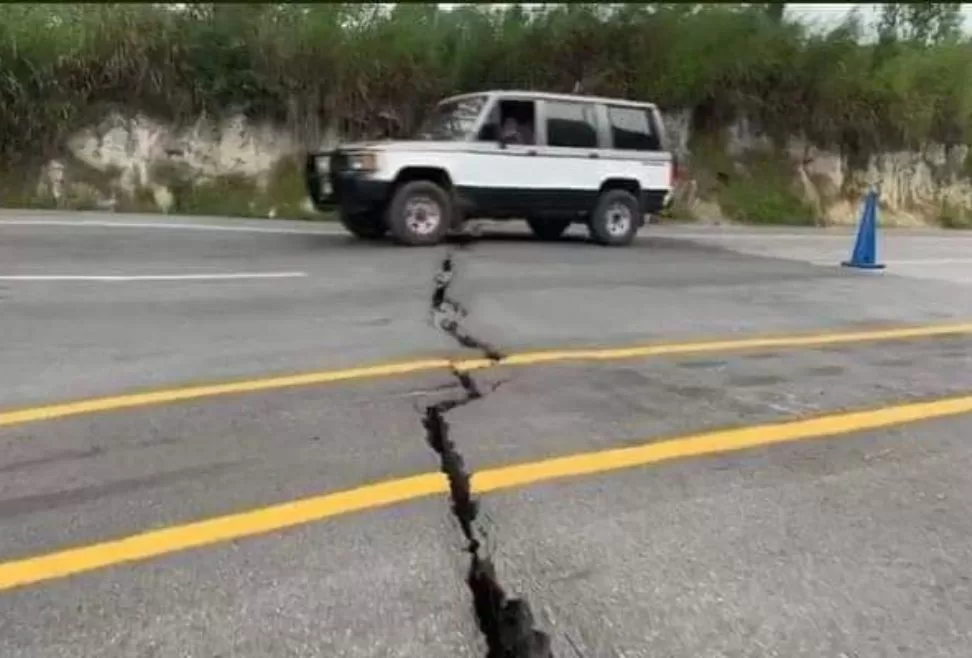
(153, 277)
(930, 261)
(79, 223)
(849, 237)
(747, 236)
(889, 262)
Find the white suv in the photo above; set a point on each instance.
(552, 159)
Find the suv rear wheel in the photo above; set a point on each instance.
(367, 226)
(548, 229)
(615, 219)
(420, 213)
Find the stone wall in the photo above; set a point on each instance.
(123, 160)
(916, 187)
(135, 161)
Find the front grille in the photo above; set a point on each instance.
(338, 163)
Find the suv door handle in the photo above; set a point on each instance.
(532, 152)
(593, 155)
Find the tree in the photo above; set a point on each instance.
(923, 23)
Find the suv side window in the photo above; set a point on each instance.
(632, 129)
(512, 120)
(571, 124)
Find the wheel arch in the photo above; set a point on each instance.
(437, 175)
(627, 184)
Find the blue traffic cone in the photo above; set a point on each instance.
(864, 255)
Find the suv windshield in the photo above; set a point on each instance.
(452, 120)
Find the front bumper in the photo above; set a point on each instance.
(338, 187)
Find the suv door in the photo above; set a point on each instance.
(500, 185)
(571, 142)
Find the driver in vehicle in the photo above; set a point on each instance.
(511, 132)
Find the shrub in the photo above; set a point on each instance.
(307, 65)
(765, 194)
(953, 216)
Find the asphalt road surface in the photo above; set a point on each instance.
(770, 453)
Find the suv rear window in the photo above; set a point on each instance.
(571, 124)
(632, 129)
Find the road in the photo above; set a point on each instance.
(770, 452)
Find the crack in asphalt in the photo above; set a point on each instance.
(448, 313)
(507, 624)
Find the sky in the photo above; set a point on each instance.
(829, 14)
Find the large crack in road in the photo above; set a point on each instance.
(507, 624)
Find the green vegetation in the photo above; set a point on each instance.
(954, 216)
(282, 194)
(765, 194)
(307, 66)
(758, 187)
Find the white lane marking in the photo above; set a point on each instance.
(945, 237)
(85, 223)
(893, 262)
(930, 261)
(747, 236)
(153, 277)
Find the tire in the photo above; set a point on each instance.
(420, 214)
(615, 219)
(548, 229)
(367, 226)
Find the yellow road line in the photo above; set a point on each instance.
(94, 405)
(18, 573)
(60, 410)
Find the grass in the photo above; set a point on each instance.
(755, 188)
(954, 216)
(283, 196)
(764, 194)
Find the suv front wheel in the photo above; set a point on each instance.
(614, 221)
(420, 213)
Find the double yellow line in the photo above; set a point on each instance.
(127, 401)
(37, 569)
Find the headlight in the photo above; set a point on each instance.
(323, 164)
(366, 161)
